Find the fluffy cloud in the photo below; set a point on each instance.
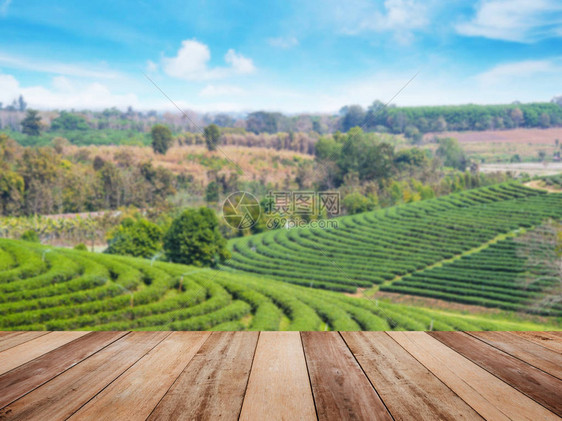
(515, 20)
(64, 94)
(192, 63)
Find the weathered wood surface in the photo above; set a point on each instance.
(280, 375)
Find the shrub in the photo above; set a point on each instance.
(139, 238)
(31, 236)
(194, 239)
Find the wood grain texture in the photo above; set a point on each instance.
(408, 389)
(33, 374)
(530, 352)
(485, 393)
(278, 388)
(62, 396)
(546, 339)
(17, 338)
(134, 395)
(27, 351)
(341, 389)
(542, 387)
(213, 384)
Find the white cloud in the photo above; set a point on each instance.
(56, 68)
(4, 7)
(399, 17)
(517, 70)
(219, 90)
(192, 63)
(283, 42)
(151, 67)
(64, 94)
(515, 20)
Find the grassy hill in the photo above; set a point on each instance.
(391, 247)
(425, 247)
(61, 289)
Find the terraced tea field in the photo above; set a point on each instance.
(60, 289)
(385, 245)
(494, 277)
(294, 279)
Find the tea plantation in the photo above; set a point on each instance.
(267, 284)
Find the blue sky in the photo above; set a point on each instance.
(291, 56)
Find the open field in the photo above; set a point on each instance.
(60, 289)
(502, 145)
(531, 168)
(255, 163)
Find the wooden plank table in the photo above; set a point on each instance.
(280, 375)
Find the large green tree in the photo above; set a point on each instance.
(161, 139)
(31, 124)
(194, 239)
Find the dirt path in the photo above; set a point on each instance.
(540, 185)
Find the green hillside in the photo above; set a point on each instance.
(60, 289)
(455, 248)
(392, 247)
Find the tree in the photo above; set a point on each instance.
(212, 192)
(22, 105)
(140, 238)
(31, 124)
(356, 203)
(69, 121)
(161, 139)
(354, 117)
(451, 153)
(212, 135)
(194, 238)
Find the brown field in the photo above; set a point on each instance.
(257, 164)
(501, 145)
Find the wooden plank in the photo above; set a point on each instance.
(340, 388)
(485, 393)
(530, 352)
(27, 351)
(19, 338)
(279, 388)
(408, 389)
(66, 393)
(7, 333)
(212, 386)
(546, 339)
(134, 395)
(33, 374)
(542, 387)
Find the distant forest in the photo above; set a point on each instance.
(271, 129)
